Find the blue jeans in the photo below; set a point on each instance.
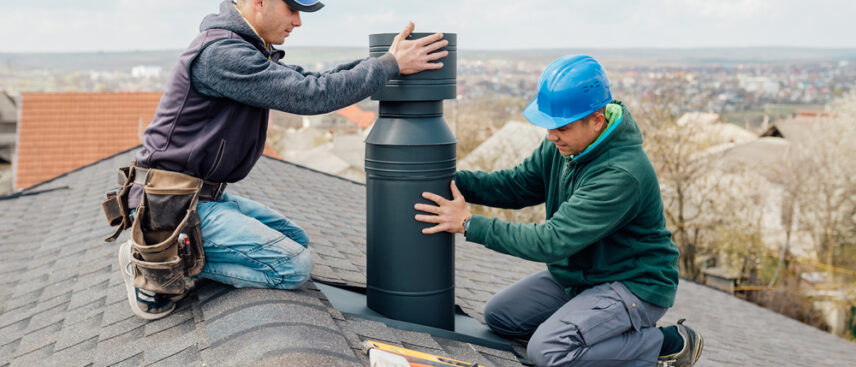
(249, 245)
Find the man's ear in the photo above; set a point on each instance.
(599, 121)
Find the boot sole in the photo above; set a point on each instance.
(697, 353)
(132, 296)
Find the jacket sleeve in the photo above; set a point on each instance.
(341, 67)
(234, 69)
(595, 210)
(514, 188)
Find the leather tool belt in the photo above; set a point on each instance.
(165, 234)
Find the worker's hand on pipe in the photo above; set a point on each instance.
(414, 56)
(449, 215)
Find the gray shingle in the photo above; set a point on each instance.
(187, 357)
(116, 328)
(183, 313)
(34, 357)
(38, 339)
(463, 352)
(80, 354)
(119, 348)
(168, 342)
(7, 349)
(78, 332)
(373, 330)
(13, 331)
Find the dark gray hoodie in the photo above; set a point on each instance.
(211, 122)
(236, 69)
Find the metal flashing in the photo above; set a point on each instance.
(467, 329)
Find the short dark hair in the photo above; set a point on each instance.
(602, 111)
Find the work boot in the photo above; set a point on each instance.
(691, 351)
(145, 304)
(189, 285)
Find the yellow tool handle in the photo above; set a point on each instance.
(417, 358)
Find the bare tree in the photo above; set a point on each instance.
(828, 157)
(791, 176)
(676, 152)
(477, 119)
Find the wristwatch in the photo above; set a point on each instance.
(466, 225)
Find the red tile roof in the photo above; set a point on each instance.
(360, 117)
(60, 132)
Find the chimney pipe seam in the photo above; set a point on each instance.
(411, 294)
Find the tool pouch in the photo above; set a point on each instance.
(167, 242)
(116, 206)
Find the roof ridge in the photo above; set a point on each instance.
(315, 170)
(24, 190)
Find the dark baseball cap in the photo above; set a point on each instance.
(305, 5)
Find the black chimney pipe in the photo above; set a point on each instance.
(410, 150)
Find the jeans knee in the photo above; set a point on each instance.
(300, 236)
(296, 271)
(549, 349)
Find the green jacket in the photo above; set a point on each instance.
(605, 217)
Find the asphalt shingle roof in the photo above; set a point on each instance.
(62, 300)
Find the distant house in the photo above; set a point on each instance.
(350, 119)
(712, 128)
(331, 143)
(60, 132)
(753, 164)
(8, 127)
(791, 129)
(506, 148)
(358, 116)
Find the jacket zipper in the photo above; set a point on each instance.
(562, 178)
(217, 159)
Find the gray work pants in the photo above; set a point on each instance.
(606, 325)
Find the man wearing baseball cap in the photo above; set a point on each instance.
(209, 130)
(611, 264)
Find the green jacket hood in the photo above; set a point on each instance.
(620, 133)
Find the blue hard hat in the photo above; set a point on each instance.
(571, 88)
(305, 5)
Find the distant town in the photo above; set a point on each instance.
(742, 90)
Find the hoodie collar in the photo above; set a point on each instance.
(623, 131)
(267, 44)
(232, 20)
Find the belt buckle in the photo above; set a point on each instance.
(220, 188)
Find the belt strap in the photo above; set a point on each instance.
(210, 190)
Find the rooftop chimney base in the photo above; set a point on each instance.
(467, 329)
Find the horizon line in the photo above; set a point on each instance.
(664, 48)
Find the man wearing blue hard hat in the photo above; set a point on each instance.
(209, 130)
(611, 264)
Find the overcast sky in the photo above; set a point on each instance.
(113, 25)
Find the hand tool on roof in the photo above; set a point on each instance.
(385, 355)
